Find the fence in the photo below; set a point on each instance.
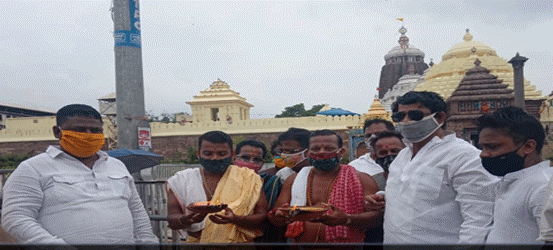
(154, 198)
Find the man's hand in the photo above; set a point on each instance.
(279, 217)
(335, 218)
(374, 202)
(193, 217)
(227, 217)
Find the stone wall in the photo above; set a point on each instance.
(25, 147)
(171, 147)
(175, 147)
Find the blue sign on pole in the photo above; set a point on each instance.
(130, 38)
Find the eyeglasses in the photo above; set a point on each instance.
(414, 115)
(257, 160)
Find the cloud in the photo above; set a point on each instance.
(275, 53)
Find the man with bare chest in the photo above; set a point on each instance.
(326, 183)
(218, 181)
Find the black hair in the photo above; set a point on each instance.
(385, 134)
(296, 134)
(274, 145)
(215, 137)
(71, 110)
(253, 143)
(430, 100)
(518, 125)
(327, 132)
(388, 124)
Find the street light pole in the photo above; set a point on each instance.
(128, 73)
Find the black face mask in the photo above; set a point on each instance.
(504, 164)
(385, 162)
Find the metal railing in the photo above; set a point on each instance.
(154, 198)
(4, 173)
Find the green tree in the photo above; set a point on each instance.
(13, 160)
(168, 118)
(152, 117)
(313, 111)
(298, 110)
(191, 156)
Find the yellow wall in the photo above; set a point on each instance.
(32, 129)
(25, 129)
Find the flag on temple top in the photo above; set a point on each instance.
(400, 19)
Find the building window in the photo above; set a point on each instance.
(214, 114)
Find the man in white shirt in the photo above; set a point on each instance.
(366, 163)
(75, 193)
(437, 190)
(511, 142)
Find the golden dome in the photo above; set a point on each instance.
(467, 48)
(377, 111)
(444, 77)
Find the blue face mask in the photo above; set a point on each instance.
(216, 166)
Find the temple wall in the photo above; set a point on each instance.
(34, 134)
(26, 129)
(268, 125)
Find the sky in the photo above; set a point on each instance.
(274, 53)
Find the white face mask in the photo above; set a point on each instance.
(416, 131)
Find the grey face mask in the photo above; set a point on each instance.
(416, 131)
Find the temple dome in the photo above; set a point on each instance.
(404, 48)
(444, 77)
(398, 51)
(398, 62)
(467, 48)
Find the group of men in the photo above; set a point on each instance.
(419, 184)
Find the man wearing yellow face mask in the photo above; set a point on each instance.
(293, 152)
(75, 193)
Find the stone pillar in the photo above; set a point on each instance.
(128, 72)
(518, 65)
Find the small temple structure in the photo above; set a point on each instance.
(398, 60)
(376, 111)
(219, 102)
(479, 92)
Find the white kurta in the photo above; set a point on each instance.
(519, 204)
(443, 195)
(546, 221)
(366, 164)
